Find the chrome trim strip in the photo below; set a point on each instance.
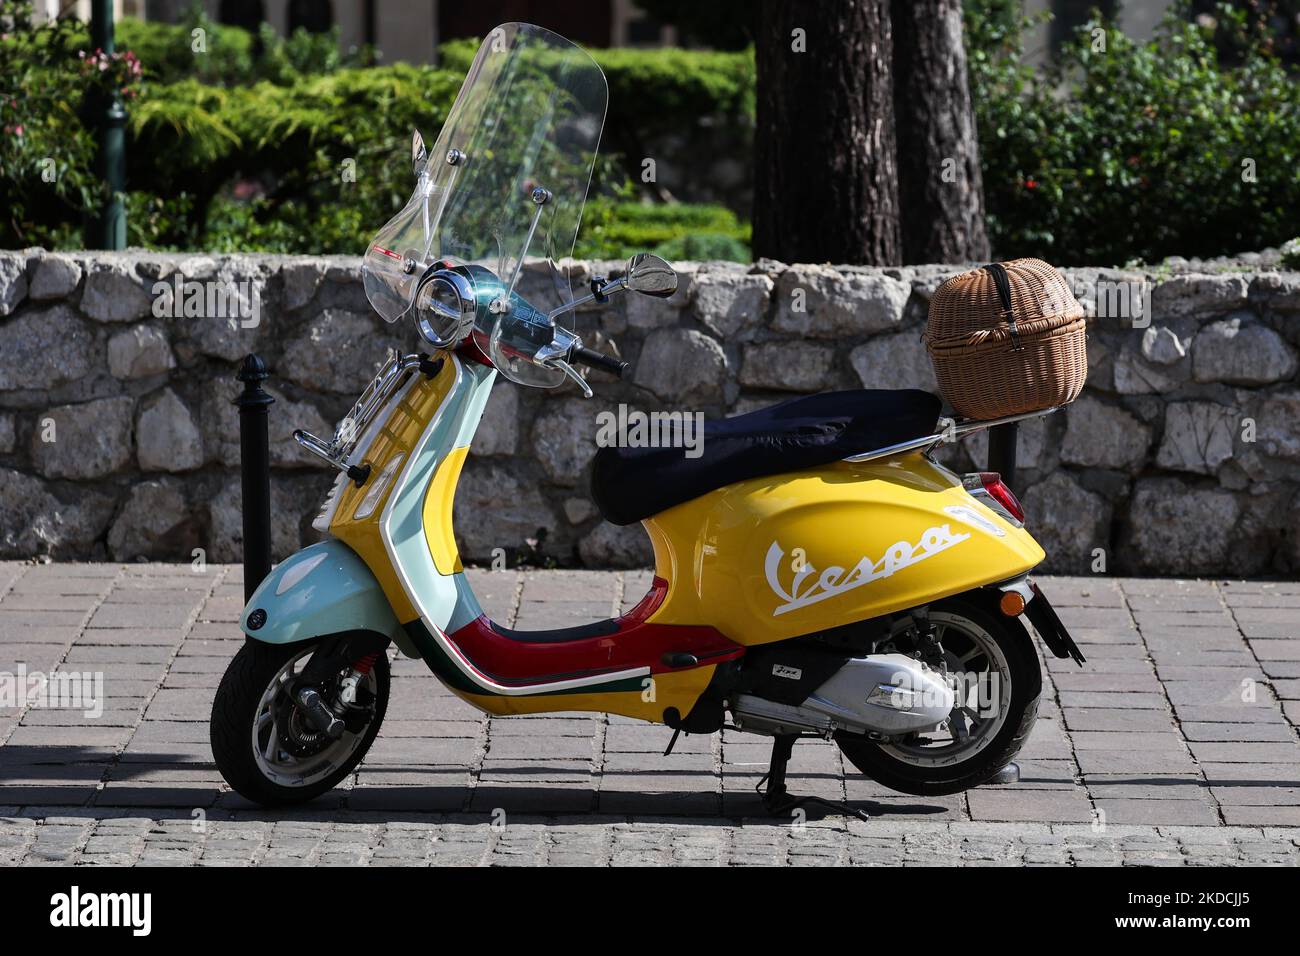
(915, 444)
(950, 433)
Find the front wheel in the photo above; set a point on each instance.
(991, 662)
(263, 745)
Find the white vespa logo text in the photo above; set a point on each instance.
(834, 580)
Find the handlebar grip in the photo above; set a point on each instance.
(594, 359)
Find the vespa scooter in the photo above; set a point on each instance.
(817, 571)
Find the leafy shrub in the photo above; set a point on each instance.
(46, 153)
(655, 97)
(1137, 150)
(317, 166)
(200, 48)
(654, 90)
(289, 148)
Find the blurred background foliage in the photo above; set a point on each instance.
(262, 143)
(1121, 151)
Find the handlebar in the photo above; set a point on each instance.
(594, 359)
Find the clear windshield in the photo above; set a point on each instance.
(506, 180)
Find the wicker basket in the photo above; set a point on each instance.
(1006, 339)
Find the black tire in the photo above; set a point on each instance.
(1011, 637)
(234, 710)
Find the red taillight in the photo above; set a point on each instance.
(996, 488)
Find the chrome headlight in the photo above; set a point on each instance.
(444, 308)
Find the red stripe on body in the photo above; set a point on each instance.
(636, 643)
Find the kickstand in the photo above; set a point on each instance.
(778, 799)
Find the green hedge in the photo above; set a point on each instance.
(1132, 153)
(294, 149)
(613, 230)
(653, 90)
(229, 56)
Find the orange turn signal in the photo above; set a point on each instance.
(1012, 604)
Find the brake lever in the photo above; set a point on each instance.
(570, 371)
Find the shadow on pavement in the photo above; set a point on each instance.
(148, 784)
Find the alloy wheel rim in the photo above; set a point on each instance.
(277, 764)
(983, 697)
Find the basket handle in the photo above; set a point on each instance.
(1002, 282)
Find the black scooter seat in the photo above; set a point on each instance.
(629, 484)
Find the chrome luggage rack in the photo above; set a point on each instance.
(950, 430)
(354, 424)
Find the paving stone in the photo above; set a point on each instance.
(421, 751)
(1255, 732)
(1053, 805)
(1261, 711)
(1130, 741)
(1275, 650)
(1082, 719)
(1258, 796)
(1122, 701)
(1085, 680)
(1117, 761)
(1121, 810)
(1101, 665)
(1276, 774)
(1210, 692)
(181, 705)
(1288, 816)
(162, 636)
(1162, 787)
(1236, 752)
(541, 747)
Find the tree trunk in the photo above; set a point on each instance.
(825, 179)
(940, 186)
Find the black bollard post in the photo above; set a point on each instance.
(1002, 459)
(1002, 452)
(255, 472)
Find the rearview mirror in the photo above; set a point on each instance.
(650, 275)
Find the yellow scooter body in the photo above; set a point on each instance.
(773, 558)
(761, 560)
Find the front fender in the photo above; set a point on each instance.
(324, 589)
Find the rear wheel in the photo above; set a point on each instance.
(263, 744)
(996, 675)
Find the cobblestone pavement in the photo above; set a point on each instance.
(1175, 744)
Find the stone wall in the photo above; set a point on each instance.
(118, 439)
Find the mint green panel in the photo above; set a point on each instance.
(323, 589)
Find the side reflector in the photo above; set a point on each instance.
(1012, 604)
